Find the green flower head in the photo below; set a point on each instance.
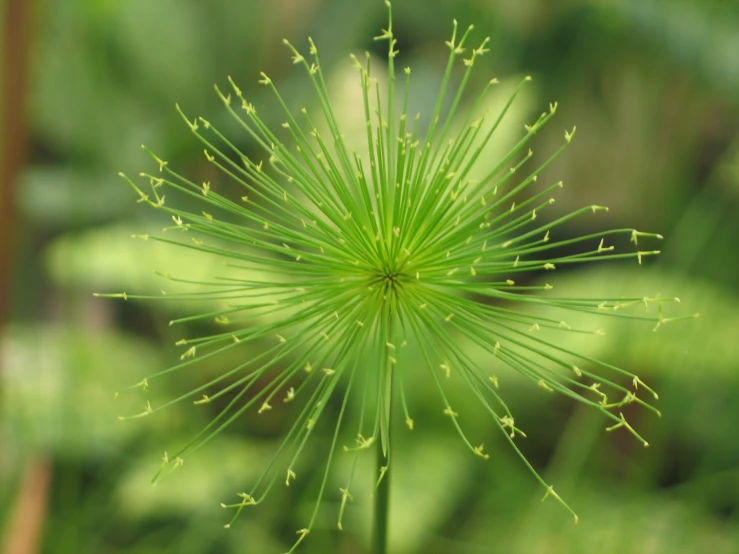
(362, 268)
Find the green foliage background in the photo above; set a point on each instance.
(653, 87)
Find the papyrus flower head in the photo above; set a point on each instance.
(372, 265)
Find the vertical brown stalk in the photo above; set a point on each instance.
(23, 530)
(14, 141)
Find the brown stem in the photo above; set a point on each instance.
(23, 531)
(14, 138)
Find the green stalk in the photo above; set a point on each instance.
(381, 506)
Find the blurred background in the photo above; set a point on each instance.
(653, 87)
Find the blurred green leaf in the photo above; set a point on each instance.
(58, 384)
(68, 197)
(110, 260)
(704, 346)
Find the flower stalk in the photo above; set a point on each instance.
(381, 504)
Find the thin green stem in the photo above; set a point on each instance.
(381, 505)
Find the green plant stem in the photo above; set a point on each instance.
(381, 506)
